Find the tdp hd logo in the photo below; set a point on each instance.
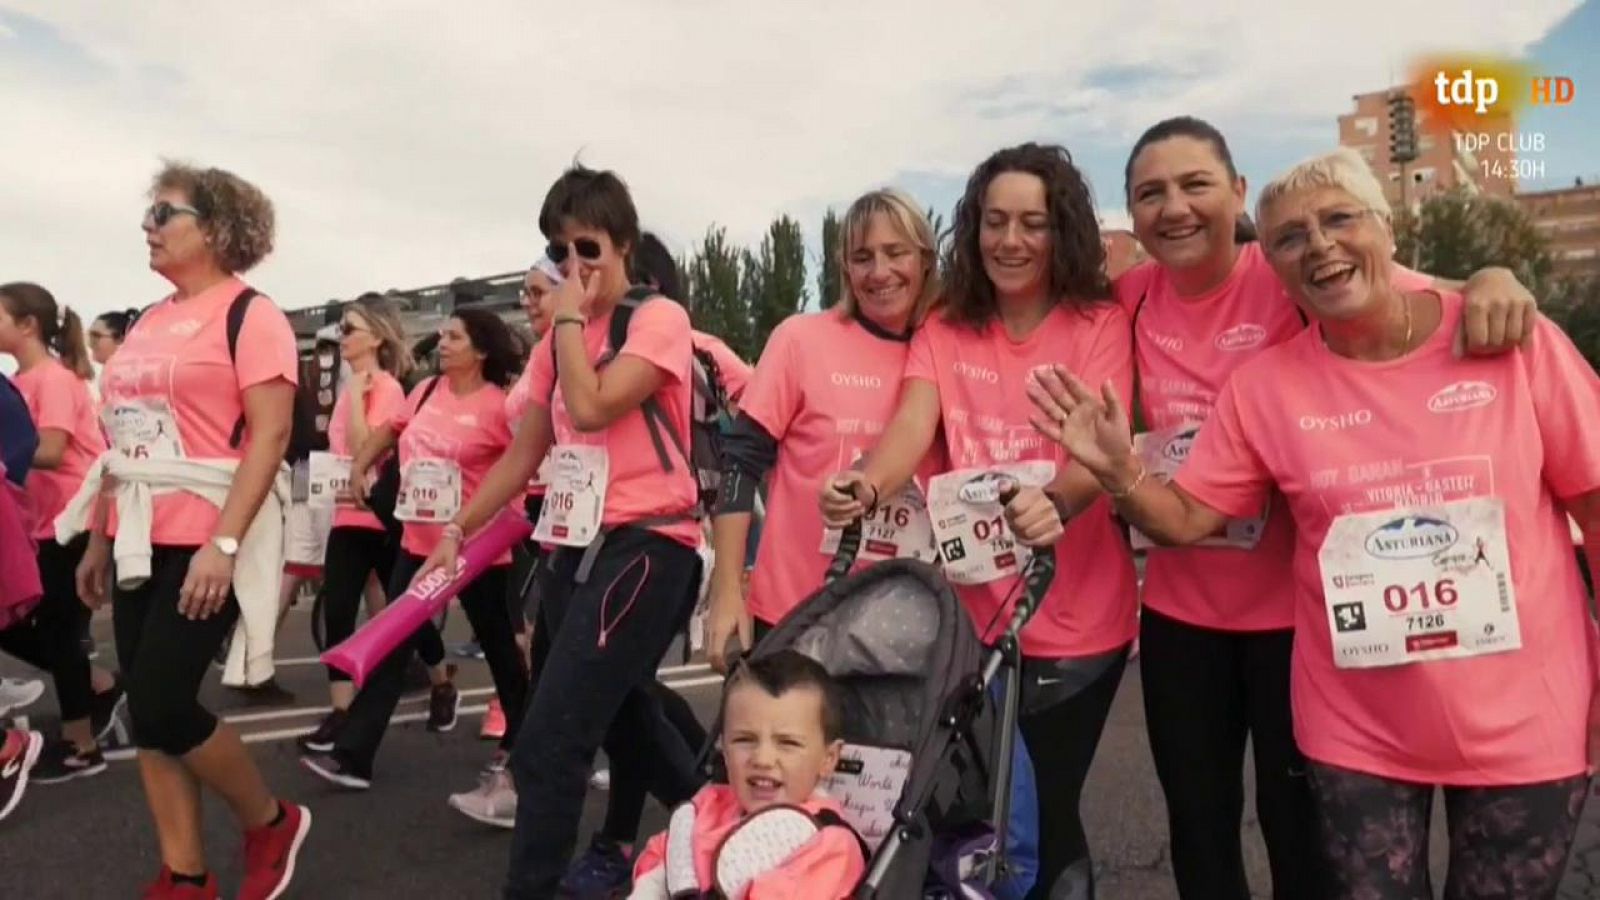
(1411, 537)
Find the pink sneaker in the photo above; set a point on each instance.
(270, 852)
(494, 721)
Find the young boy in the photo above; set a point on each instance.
(780, 737)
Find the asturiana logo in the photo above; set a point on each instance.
(1177, 449)
(1241, 337)
(1462, 395)
(1412, 537)
(983, 488)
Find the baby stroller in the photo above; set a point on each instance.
(925, 777)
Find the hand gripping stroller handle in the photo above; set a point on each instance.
(1037, 576)
(845, 557)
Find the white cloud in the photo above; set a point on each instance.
(404, 145)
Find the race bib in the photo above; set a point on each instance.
(899, 528)
(329, 481)
(1409, 585)
(1162, 452)
(969, 521)
(575, 495)
(144, 431)
(430, 491)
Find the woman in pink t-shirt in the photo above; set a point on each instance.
(52, 368)
(1441, 633)
(372, 342)
(809, 414)
(1025, 288)
(446, 435)
(179, 395)
(621, 506)
(1217, 623)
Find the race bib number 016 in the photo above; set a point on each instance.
(1409, 585)
(1162, 452)
(898, 529)
(974, 542)
(575, 496)
(430, 491)
(329, 480)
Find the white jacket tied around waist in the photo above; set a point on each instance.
(257, 569)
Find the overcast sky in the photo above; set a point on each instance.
(405, 144)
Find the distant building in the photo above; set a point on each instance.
(1569, 218)
(1440, 165)
(1123, 250)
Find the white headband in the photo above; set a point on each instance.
(549, 269)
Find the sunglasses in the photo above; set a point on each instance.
(161, 212)
(346, 329)
(588, 248)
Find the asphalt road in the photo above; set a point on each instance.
(91, 838)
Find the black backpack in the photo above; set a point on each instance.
(303, 434)
(707, 409)
(385, 491)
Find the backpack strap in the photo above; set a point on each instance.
(655, 418)
(427, 390)
(236, 313)
(827, 818)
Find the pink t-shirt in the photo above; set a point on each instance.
(173, 370)
(984, 406)
(638, 487)
(1186, 347)
(468, 430)
(385, 398)
(731, 370)
(824, 410)
(59, 400)
(1336, 435)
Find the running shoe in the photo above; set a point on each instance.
(63, 761)
(494, 802)
(19, 750)
(600, 780)
(444, 707)
(166, 887)
(494, 721)
(321, 740)
(468, 650)
(335, 769)
(15, 693)
(105, 708)
(603, 872)
(270, 852)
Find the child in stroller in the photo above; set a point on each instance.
(767, 833)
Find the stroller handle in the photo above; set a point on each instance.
(844, 558)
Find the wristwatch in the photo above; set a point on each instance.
(227, 546)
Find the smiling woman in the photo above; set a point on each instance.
(1465, 665)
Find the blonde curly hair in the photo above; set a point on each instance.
(236, 217)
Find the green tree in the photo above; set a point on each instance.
(718, 305)
(1455, 234)
(828, 267)
(1578, 313)
(777, 277)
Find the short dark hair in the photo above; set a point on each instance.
(492, 337)
(653, 264)
(594, 198)
(118, 322)
(1077, 274)
(1244, 230)
(787, 670)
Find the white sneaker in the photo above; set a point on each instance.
(15, 693)
(494, 802)
(601, 780)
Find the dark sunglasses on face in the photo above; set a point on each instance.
(161, 212)
(346, 329)
(588, 248)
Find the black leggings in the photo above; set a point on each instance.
(354, 555)
(164, 656)
(1504, 841)
(601, 643)
(1065, 704)
(49, 638)
(1205, 692)
(484, 601)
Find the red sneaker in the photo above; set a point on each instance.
(164, 888)
(494, 721)
(270, 851)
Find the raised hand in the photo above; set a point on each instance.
(1094, 430)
